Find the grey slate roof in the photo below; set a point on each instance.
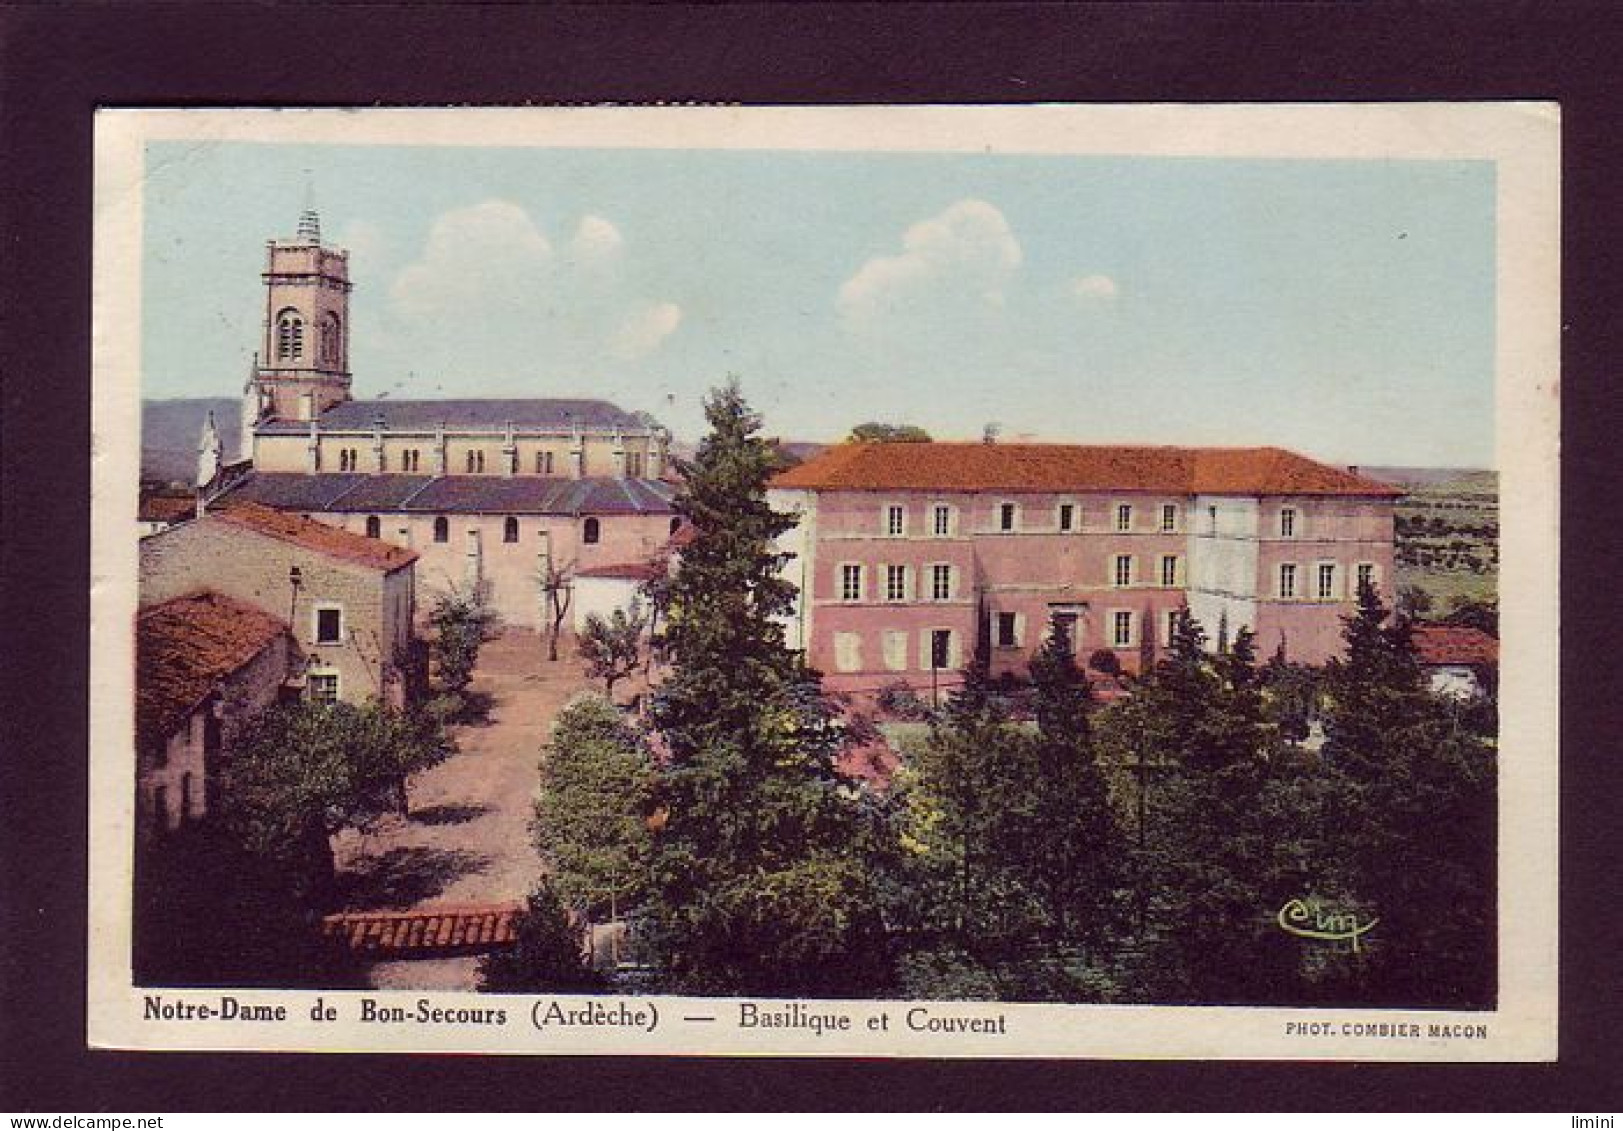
(453, 494)
(545, 414)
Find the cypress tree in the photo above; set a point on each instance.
(758, 882)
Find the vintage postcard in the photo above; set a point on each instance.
(1026, 581)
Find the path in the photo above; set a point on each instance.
(467, 839)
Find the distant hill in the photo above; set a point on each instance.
(170, 429)
(1432, 476)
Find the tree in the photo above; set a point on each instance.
(591, 814)
(1414, 793)
(1414, 602)
(547, 954)
(758, 879)
(557, 588)
(1074, 848)
(303, 771)
(1474, 613)
(612, 646)
(461, 625)
(874, 432)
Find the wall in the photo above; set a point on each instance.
(243, 694)
(508, 572)
(1223, 562)
(210, 553)
(290, 452)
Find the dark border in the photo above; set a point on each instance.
(59, 62)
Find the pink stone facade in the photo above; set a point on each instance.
(882, 572)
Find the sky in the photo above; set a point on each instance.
(1342, 308)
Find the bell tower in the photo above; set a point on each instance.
(305, 345)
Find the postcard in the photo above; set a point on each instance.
(1019, 581)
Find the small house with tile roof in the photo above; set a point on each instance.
(909, 556)
(1461, 661)
(490, 492)
(205, 664)
(349, 601)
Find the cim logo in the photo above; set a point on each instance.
(1309, 920)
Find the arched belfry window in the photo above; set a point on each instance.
(289, 336)
(591, 532)
(332, 340)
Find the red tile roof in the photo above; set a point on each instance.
(316, 536)
(1073, 467)
(167, 508)
(426, 931)
(184, 648)
(1440, 644)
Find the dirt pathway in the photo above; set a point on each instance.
(467, 838)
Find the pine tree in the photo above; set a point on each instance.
(547, 955)
(1414, 795)
(758, 879)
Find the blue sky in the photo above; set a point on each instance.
(1343, 308)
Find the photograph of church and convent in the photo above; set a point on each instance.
(771, 573)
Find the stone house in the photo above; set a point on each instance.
(205, 664)
(348, 600)
(909, 555)
(1461, 662)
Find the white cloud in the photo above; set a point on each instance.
(490, 250)
(641, 333)
(491, 294)
(597, 243)
(1092, 288)
(967, 253)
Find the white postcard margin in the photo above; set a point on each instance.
(1522, 139)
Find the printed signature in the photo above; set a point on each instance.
(1311, 921)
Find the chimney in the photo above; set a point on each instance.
(1352, 468)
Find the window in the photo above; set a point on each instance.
(940, 648)
(1007, 631)
(1172, 624)
(442, 530)
(1005, 516)
(1124, 570)
(894, 645)
(411, 460)
(1211, 520)
(1169, 570)
(323, 687)
(1169, 517)
(591, 532)
(1124, 516)
(1064, 629)
(476, 462)
(634, 465)
(895, 583)
(1287, 522)
(289, 336)
(941, 582)
(895, 521)
(1366, 576)
(510, 529)
(329, 625)
(850, 583)
(1121, 631)
(943, 520)
(332, 340)
(1067, 516)
(848, 651)
(374, 526)
(1287, 580)
(1327, 581)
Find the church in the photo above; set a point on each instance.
(494, 495)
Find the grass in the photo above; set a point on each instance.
(1458, 521)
